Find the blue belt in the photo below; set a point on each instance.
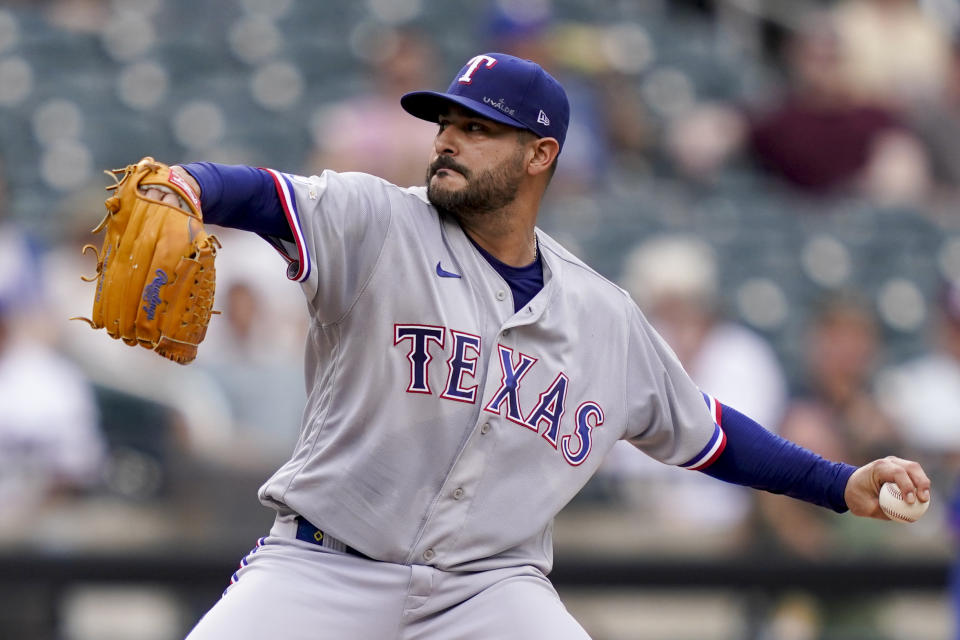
(307, 532)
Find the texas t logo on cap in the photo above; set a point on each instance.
(473, 65)
(504, 88)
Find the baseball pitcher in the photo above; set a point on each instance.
(466, 376)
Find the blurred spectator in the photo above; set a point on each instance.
(894, 52)
(819, 137)
(936, 121)
(701, 142)
(674, 280)
(263, 384)
(835, 414)
(924, 393)
(50, 442)
(822, 137)
(370, 132)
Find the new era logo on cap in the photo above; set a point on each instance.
(504, 88)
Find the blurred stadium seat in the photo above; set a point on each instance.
(141, 437)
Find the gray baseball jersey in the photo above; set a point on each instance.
(442, 426)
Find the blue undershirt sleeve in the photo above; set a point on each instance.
(240, 197)
(757, 458)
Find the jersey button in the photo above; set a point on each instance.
(458, 493)
(485, 429)
(501, 294)
(505, 333)
(429, 555)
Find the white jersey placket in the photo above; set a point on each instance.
(449, 514)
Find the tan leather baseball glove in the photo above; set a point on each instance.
(155, 272)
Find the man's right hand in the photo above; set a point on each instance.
(863, 488)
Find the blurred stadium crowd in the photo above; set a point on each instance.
(777, 184)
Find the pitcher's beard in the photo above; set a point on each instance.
(485, 192)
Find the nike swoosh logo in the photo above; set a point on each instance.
(446, 274)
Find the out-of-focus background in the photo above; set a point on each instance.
(777, 183)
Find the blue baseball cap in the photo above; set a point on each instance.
(504, 88)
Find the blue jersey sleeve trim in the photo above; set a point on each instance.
(757, 458)
(717, 443)
(299, 266)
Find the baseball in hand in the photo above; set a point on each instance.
(896, 508)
